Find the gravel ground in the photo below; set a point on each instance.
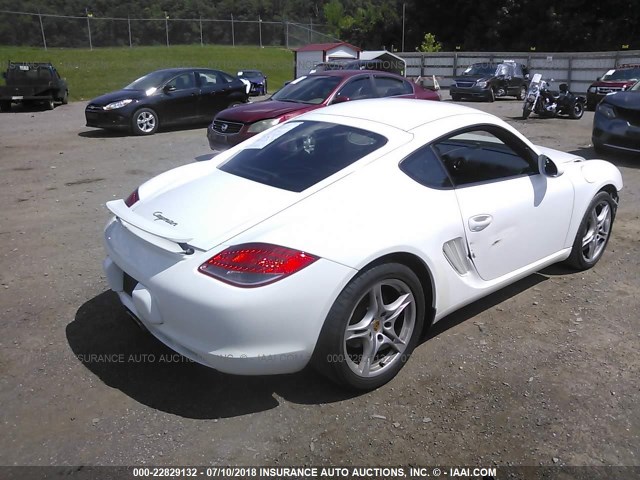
(544, 372)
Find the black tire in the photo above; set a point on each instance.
(339, 358)
(50, 104)
(455, 97)
(491, 95)
(65, 97)
(577, 111)
(522, 93)
(526, 112)
(264, 89)
(599, 148)
(598, 220)
(5, 106)
(145, 121)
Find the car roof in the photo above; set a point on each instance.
(350, 73)
(402, 113)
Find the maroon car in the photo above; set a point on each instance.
(617, 80)
(233, 125)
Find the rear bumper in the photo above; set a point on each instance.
(255, 331)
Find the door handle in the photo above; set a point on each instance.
(478, 223)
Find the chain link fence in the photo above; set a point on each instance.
(58, 31)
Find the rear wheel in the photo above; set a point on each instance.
(577, 111)
(594, 232)
(372, 328)
(144, 122)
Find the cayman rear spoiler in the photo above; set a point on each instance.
(125, 214)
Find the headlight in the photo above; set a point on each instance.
(535, 89)
(592, 90)
(262, 125)
(606, 110)
(454, 84)
(481, 83)
(119, 104)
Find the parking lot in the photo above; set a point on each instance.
(545, 372)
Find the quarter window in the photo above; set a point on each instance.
(424, 167)
(484, 154)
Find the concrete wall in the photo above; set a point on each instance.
(579, 70)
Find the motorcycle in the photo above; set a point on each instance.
(545, 103)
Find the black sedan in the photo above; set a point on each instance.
(616, 123)
(166, 97)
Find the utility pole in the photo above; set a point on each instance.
(89, 15)
(404, 5)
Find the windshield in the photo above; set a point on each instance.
(249, 74)
(623, 74)
(297, 155)
(313, 90)
(484, 69)
(150, 81)
(636, 87)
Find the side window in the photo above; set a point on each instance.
(357, 89)
(424, 167)
(183, 81)
(389, 86)
(208, 79)
(485, 154)
(226, 78)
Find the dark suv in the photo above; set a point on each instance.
(615, 80)
(490, 80)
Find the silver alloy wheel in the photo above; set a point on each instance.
(146, 121)
(598, 230)
(379, 328)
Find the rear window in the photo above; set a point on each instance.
(297, 155)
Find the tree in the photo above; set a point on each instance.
(429, 44)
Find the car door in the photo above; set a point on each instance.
(513, 216)
(217, 92)
(179, 99)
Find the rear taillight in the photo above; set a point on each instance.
(255, 264)
(132, 198)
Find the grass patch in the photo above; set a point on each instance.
(93, 72)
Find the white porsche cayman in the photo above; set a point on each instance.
(336, 237)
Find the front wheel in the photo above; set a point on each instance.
(50, 104)
(372, 327)
(65, 97)
(491, 95)
(522, 93)
(5, 106)
(594, 232)
(526, 110)
(145, 122)
(577, 111)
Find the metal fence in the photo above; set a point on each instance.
(578, 70)
(47, 30)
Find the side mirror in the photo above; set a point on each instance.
(340, 99)
(548, 167)
(169, 88)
